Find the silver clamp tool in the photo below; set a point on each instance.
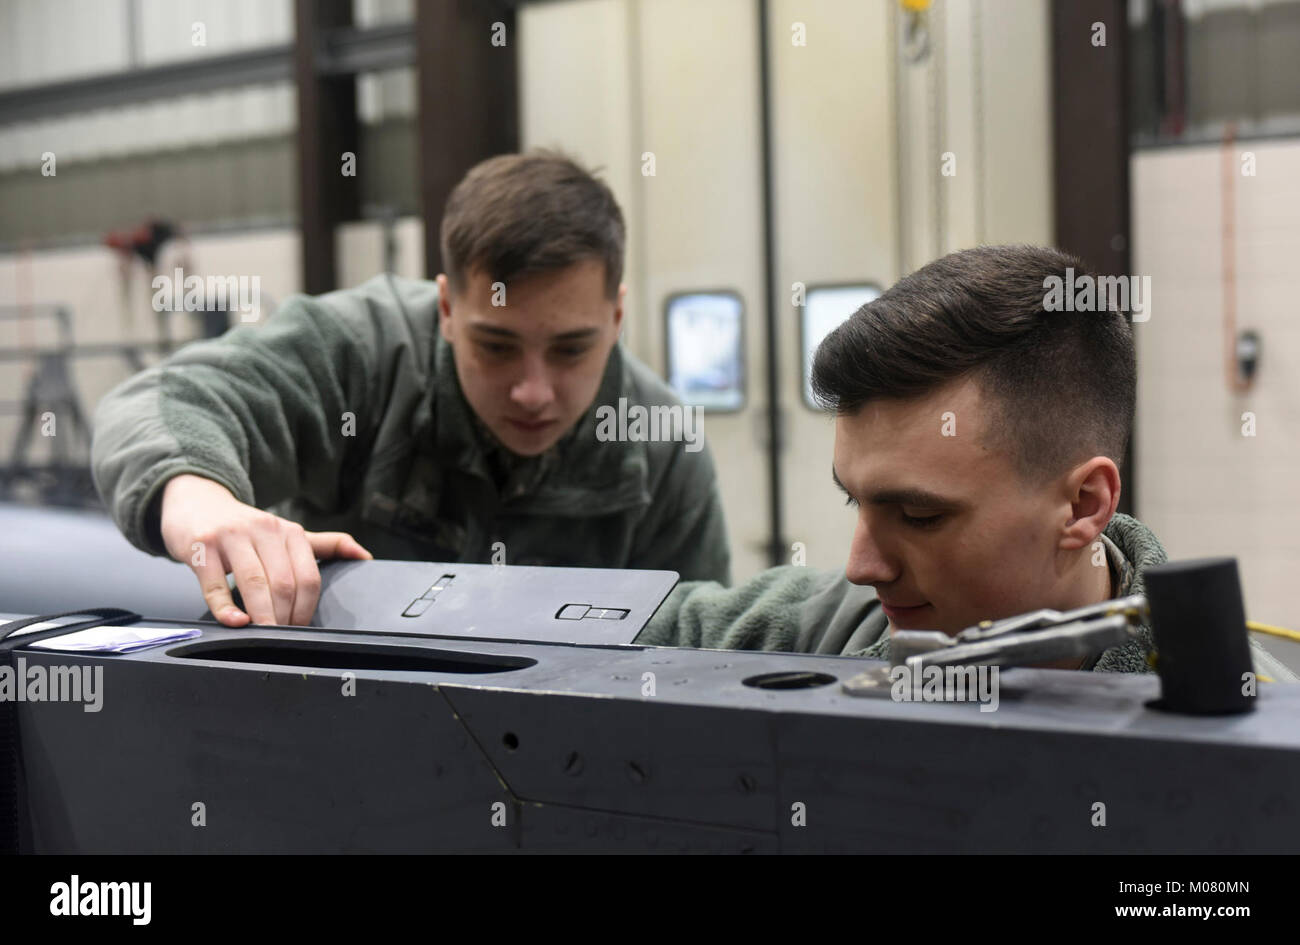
(1036, 637)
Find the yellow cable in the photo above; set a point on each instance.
(1258, 627)
(1273, 631)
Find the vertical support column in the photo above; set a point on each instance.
(468, 98)
(771, 332)
(327, 127)
(1090, 132)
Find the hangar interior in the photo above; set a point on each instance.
(755, 160)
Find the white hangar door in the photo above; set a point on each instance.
(663, 96)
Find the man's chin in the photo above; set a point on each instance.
(522, 442)
(919, 618)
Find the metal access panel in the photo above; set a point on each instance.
(307, 741)
(53, 560)
(506, 602)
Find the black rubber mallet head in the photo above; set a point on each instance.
(1202, 647)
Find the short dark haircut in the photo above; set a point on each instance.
(516, 214)
(1062, 384)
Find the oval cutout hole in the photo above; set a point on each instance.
(323, 655)
(798, 679)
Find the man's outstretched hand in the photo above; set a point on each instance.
(273, 560)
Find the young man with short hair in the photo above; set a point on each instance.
(978, 438)
(452, 420)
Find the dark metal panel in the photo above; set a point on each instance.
(889, 797)
(284, 760)
(288, 764)
(550, 749)
(545, 828)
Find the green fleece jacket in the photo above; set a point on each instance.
(344, 413)
(804, 610)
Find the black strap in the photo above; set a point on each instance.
(103, 617)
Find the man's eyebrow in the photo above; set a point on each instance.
(578, 334)
(496, 330)
(913, 498)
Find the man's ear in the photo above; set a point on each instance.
(1092, 489)
(444, 304)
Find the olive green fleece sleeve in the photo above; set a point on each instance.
(763, 613)
(684, 530)
(261, 410)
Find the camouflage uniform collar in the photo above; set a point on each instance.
(1122, 571)
(513, 474)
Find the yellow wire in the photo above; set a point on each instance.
(1258, 627)
(1273, 631)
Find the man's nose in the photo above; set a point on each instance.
(868, 563)
(534, 390)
